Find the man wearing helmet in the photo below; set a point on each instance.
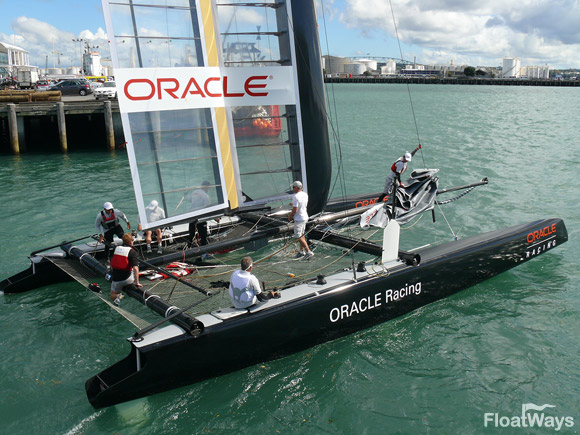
(108, 220)
(397, 170)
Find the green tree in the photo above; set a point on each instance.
(469, 71)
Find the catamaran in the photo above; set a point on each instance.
(212, 101)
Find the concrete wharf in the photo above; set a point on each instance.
(60, 126)
(454, 81)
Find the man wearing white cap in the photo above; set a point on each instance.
(154, 213)
(245, 289)
(397, 170)
(300, 217)
(108, 220)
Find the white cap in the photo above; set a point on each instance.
(408, 156)
(297, 184)
(108, 206)
(152, 205)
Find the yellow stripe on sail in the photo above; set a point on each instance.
(220, 112)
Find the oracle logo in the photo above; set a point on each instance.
(541, 233)
(163, 88)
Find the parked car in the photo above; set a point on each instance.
(72, 87)
(108, 90)
(95, 83)
(43, 85)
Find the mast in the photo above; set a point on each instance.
(312, 104)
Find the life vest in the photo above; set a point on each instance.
(109, 221)
(394, 166)
(120, 258)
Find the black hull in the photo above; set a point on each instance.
(40, 274)
(317, 318)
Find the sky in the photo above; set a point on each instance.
(467, 32)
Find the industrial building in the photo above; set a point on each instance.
(334, 65)
(390, 68)
(536, 72)
(355, 69)
(511, 67)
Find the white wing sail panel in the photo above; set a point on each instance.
(209, 101)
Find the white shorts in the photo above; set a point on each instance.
(299, 228)
(117, 286)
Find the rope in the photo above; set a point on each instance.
(414, 223)
(445, 217)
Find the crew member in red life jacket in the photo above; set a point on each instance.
(108, 220)
(125, 268)
(397, 170)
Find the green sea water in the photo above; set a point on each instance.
(490, 349)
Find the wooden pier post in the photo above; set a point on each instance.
(61, 126)
(13, 128)
(109, 126)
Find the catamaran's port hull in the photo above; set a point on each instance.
(41, 272)
(272, 333)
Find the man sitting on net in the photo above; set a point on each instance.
(245, 289)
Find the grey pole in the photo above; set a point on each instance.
(13, 128)
(109, 127)
(61, 126)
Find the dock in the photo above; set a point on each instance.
(63, 126)
(454, 81)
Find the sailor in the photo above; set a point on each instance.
(199, 199)
(300, 217)
(245, 289)
(397, 170)
(108, 220)
(154, 213)
(125, 268)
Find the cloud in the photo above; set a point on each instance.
(538, 31)
(48, 45)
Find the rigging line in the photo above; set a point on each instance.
(445, 217)
(168, 40)
(408, 87)
(414, 223)
(313, 272)
(338, 148)
(268, 29)
(233, 267)
(335, 131)
(320, 98)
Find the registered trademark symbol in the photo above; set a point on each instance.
(271, 77)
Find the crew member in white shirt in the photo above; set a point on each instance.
(300, 217)
(154, 213)
(245, 289)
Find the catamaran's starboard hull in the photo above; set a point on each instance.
(321, 316)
